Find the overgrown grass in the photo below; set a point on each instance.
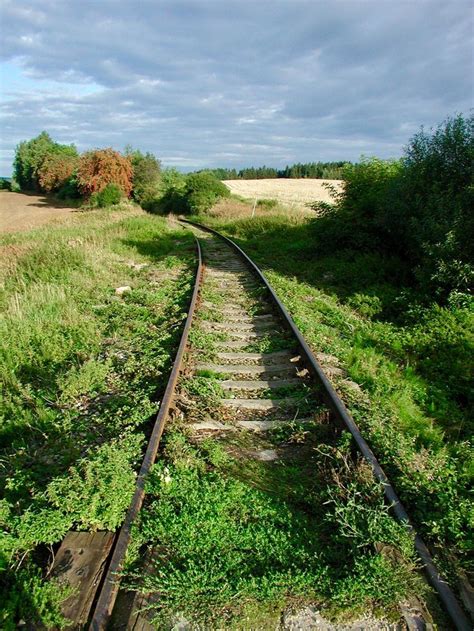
(412, 360)
(236, 541)
(81, 368)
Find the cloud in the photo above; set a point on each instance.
(207, 83)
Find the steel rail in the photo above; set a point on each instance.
(108, 593)
(333, 400)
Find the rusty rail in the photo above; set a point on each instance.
(108, 593)
(333, 400)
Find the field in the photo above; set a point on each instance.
(289, 192)
(19, 211)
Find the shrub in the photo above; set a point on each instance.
(57, 168)
(5, 185)
(418, 208)
(170, 197)
(30, 156)
(108, 196)
(69, 189)
(100, 167)
(202, 190)
(438, 197)
(14, 186)
(146, 175)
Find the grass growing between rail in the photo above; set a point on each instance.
(411, 358)
(237, 541)
(80, 370)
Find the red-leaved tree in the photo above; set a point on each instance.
(101, 167)
(55, 170)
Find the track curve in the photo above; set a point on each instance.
(254, 368)
(337, 406)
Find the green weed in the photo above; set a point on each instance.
(80, 370)
(235, 540)
(410, 358)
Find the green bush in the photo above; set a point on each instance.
(418, 208)
(202, 191)
(177, 193)
(28, 597)
(438, 198)
(70, 189)
(108, 196)
(30, 156)
(170, 197)
(14, 186)
(5, 185)
(146, 176)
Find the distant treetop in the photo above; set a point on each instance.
(317, 170)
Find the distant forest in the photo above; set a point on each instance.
(322, 170)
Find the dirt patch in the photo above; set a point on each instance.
(19, 211)
(295, 193)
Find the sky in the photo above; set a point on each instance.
(207, 83)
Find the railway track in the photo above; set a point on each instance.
(267, 377)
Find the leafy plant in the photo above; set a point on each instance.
(57, 168)
(202, 190)
(418, 208)
(101, 167)
(146, 175)
(108, 196)
(29, 159)
(170, 197)
(69, 189)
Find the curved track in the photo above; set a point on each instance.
(261, 353)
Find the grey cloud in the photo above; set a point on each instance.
(222, 83)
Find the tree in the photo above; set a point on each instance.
(100, 167)
(146, 175)
(29, 156)
(418, 208)
(202, 190)
(57, 167)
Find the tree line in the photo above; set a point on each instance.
(318, 170)
(103, 177)
(99, 176)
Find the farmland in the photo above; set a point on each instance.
(294, 193)
(23, 212)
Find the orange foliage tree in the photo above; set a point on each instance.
(55, 169)
(101, 167)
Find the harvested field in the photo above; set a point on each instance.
(23, 212)
(295, 193)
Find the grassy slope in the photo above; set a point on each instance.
(413, 364)
(80, 369)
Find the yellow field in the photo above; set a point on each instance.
(295, 193)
